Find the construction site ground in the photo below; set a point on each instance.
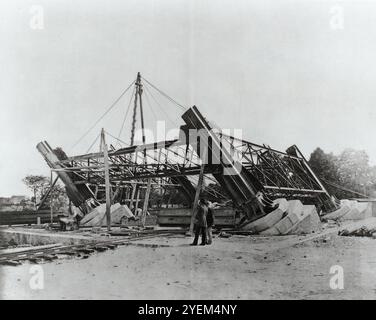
(239, 267)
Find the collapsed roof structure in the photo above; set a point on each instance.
(249, 174)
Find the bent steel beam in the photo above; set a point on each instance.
(75, 195)
(239, 183)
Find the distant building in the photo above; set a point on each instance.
(5, 201)
(17, 199)
(13, 200)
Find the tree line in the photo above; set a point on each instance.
(348, 174)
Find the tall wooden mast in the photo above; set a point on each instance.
(138, 97)
(138, 101)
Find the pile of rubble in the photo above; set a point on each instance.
(363, 228)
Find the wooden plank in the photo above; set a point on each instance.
(137, 200)
(134, 186)
(14, 218)
(188, 212)
(29, 249)
(185, 221)
(107, 180)
(40, 204)
(146, 203)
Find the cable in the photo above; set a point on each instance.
(104, 114)
(112, 136)
(165, 95)
(149, 105)
(165, 113)
(93, 143)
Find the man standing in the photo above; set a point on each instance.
(200, 223)
(210, 222)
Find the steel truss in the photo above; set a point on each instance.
(168, 162)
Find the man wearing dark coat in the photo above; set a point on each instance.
(200, 223)
(210, 222)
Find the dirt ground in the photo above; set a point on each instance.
(240, 267)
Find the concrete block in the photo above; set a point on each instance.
(295, 206)
(360, 211)
(97, 217)
(294, 215)
(374, 209)
(345, 208)
(118, 212)
(273, 231)
(94, 217)
(270, 219)
(309, 223)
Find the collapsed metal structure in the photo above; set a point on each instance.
(249, 174)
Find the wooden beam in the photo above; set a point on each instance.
(41, 203)
(124, 151)
(134, 186)
(138, 189)
(107, 180)
(51, 199)
(115, 193)
(172, 192)
(146, 203)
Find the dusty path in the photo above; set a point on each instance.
(234, 268)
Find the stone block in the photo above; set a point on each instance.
(270, 219)
(310, 221)
(294, 215)
(360, 211)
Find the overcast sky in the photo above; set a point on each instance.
(286, 72)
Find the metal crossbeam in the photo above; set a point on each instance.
(275, 169)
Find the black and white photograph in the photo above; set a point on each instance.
(201, 151)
